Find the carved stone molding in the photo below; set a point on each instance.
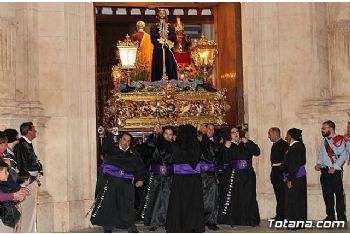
(317, 111)
(339, 48)
(8, 30)
(343, 25)
(20, 108)
(340, 45)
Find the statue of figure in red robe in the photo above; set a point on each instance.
(182, 48)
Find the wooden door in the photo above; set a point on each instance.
(227, 25)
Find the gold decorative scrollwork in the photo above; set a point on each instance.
(168, 106)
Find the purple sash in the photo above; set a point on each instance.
(222, 168)
(163, 170)
(301, 173)
(241, 164)
(186, 169)
(116, 172)
(236, 164)
(206, 167)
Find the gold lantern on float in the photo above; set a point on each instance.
(117, 73)
(203, 53)
(127, 52)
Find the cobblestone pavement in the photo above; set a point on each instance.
(264, 227)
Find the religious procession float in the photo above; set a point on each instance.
(164, 78)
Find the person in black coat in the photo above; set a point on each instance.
(146, 150)
(238, 205)
(186, 208)
(158, 187)
(295, 177)
(278, 151)
(208, 160)
(121, 171)
(24, 154)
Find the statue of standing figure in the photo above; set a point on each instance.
(163, 38)
(182, 47)
(144, 54)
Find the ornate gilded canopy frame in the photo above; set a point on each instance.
(171, 106)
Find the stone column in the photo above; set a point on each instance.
(8, 28)
(47, 76)
(287, 84)
(66, 88)
(334, 98)
(339, 43)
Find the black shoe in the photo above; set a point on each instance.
(277, 218)
(329, 219)
(213, 227)
(344, 220)
(133, 229)
(152, 228)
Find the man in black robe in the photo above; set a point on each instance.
(161, 174)
(121, 171)
(145, 149)
(278, 151)
(163, 38)
(210, 150)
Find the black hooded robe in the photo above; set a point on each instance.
(158, 187)
(186, 208)
(210, 150)
(114, 205)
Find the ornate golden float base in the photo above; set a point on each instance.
(170, 105)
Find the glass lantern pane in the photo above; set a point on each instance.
(128, 57)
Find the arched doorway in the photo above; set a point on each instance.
(219, 21)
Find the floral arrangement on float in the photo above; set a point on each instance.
(131, 76)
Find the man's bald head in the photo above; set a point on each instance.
(274, 134)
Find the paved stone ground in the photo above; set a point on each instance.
(264, 227)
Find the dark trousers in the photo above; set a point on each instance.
(332, 184)
(279, 187)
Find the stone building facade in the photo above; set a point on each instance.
(296, 60)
